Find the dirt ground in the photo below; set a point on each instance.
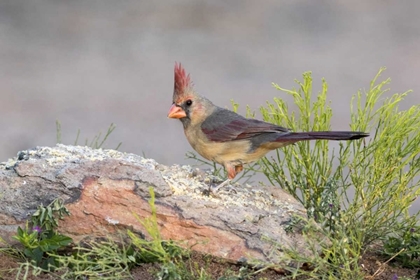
(370, 263)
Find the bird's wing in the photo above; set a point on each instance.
(224, 125)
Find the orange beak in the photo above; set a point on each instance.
(176, 112)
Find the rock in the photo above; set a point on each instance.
(106, 190)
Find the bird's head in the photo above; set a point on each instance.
(187, 105)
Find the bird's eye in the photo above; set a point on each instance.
(188, 102)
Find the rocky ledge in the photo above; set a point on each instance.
(106, 191)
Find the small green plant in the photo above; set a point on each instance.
(40, 238)
(95, 143)
(330, 208)
(98, 260)
(405, 245)
(175, 262)
(167, 253)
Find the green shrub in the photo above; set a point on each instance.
(379, 171)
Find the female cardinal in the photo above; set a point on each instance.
(229, 139)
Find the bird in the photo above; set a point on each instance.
(229, 139)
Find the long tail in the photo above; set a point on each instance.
(322, 135)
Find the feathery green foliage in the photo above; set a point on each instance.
(97, 260)
(381, 171)
(361, 194)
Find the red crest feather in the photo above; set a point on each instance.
(182, 82)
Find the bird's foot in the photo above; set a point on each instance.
(213, 191)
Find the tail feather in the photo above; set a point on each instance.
(323, 135)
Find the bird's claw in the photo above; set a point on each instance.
(213, 191)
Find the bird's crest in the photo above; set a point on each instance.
(182, 83)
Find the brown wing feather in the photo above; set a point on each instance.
(224, 125)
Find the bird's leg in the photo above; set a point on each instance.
(232, 171)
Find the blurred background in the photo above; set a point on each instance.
(92, 63)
